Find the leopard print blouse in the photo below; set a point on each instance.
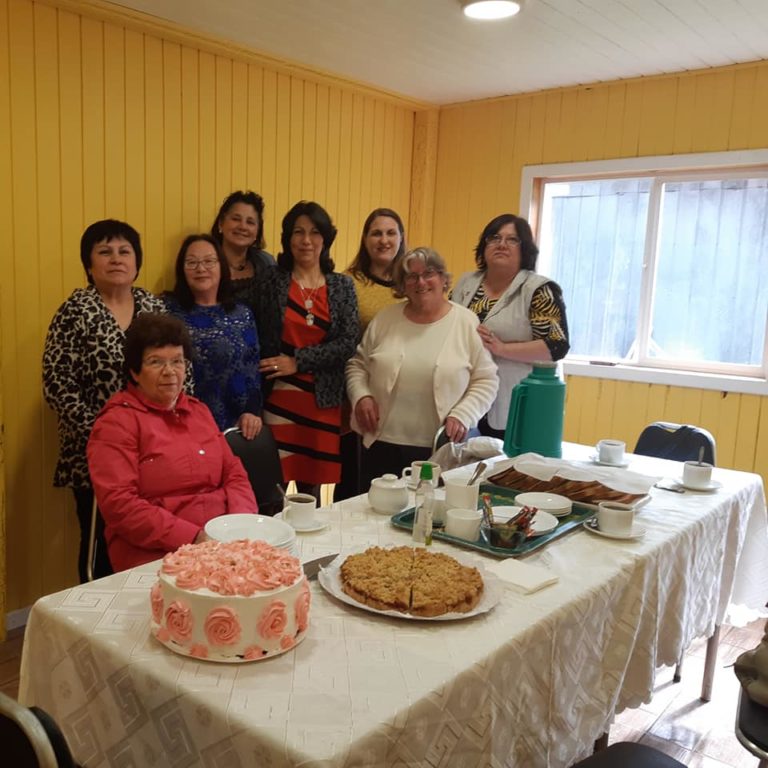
(82, 369)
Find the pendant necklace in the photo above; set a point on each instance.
(308, 302)
(240, 267)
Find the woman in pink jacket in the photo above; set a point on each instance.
(160, 467)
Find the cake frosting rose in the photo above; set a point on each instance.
(230, 601)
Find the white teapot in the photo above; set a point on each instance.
(388, 494)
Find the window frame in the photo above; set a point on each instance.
(661, 169)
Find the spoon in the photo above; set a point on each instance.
(701, 455)
(479, 469)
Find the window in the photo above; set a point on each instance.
(660, 269)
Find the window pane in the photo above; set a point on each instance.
(592, 239)
(711, 294)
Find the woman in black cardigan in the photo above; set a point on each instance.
(308, 328)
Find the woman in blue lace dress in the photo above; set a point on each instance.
(224, 337)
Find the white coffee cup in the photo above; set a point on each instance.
(463, 523)
(611, 451)
(697, 475)
(459, 495)
(439, 506)
(412, 473)
(615, 517)
(300, 510)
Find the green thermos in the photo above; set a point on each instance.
(535, 421)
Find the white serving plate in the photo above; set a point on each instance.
(543, 522)
(252, 527)
(556, 505)
(330, 580)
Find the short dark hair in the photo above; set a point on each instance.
(249, 198)
(428, 257)
(152, 329)
(361, 264)
(181, 291)
(320, 218)
(106, 230)
(528, 248)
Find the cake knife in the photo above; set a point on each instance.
(312, 567)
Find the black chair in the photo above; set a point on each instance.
(261, 462)
(752, 728)
(678, 442)
(30, 738)
(629, 754)
(683, 442)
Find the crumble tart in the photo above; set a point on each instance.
(413, 581)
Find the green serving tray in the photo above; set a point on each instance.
(503, 497)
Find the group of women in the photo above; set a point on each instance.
(353, 373)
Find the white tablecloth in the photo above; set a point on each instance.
(532, 683)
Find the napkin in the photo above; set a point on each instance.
(526, 578)
(544, 468)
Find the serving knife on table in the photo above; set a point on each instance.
(312, 567)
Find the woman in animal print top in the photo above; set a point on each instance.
(83, 359)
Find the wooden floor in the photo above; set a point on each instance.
(675, 721)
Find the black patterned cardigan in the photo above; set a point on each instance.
(327, 359)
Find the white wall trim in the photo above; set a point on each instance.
(649, 164)
(16, 619)
(718, 382)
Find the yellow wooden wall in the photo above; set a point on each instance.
(482, 148)
(104, 114)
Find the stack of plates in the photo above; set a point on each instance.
(556, 505)
(256, 527)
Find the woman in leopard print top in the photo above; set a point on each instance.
(83, 359)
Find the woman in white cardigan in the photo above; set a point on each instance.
(421, 364)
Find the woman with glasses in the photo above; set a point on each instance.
(522, 314)
(421, 365)
(224, 339)
(83, 361)
(161, 468)
(308, 325)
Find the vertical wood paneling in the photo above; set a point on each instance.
(100, 120)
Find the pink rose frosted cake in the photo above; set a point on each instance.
(230, 601)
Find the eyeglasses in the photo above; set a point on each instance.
(510, 240)
(427, 274)
(207, 264)
(158, 363)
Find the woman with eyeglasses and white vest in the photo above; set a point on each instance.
(522, 314)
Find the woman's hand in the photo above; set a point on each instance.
(490, 341)
(250, 425)
(455, 431)
(367, 413)
(282, 365)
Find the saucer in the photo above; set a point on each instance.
(637, 532)
(595, 460)
(317, 525)
(543, 522)
(713, 485)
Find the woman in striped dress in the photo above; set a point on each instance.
(309, 328)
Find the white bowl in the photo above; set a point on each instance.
(549, 502)
(254, 527)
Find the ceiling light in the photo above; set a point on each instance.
(490, 9)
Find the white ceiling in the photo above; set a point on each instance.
(428, 50)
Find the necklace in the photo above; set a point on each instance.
(308, 300)
(240, 267)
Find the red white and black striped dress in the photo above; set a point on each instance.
(307, 436)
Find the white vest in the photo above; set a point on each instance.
(509, 320)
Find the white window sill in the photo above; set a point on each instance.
(719, 382)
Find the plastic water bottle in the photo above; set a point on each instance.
(425, 494)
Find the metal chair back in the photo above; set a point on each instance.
(678, 442)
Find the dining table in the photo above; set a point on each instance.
(533, 681)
